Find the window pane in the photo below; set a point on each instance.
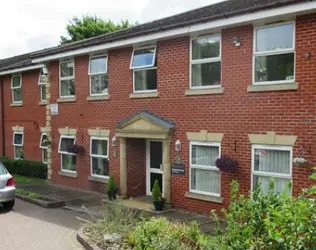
(280, 184)
(18, 152)
(274, 38)
(145, 80)
(66, 69)
(143, 57)
(43, 92)
(17, 95)
(272, 161)
(204, 155)
(44, 152)
(206, 181)
(68, 162)
(44, 140)
(99, 147)
(18, 139)
(99, 84)
(65, 143)
(100, 166)
(98, 65)
(67, 88)
(3, 170)
(206, 74)
(206, 48)
(274, 68)
(16, 81)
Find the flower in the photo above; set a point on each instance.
(299, 161)
(226, 164)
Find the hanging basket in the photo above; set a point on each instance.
(75, 149)
(226, 164)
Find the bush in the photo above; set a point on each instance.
(25, 168)
(111, 186)
(156, 192)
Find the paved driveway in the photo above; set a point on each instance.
(29, 227)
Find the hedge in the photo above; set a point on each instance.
(25, 167)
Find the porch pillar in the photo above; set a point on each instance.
(123, 169)
(167, 170)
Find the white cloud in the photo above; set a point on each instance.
(36, 24)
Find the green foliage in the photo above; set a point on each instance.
(111, 186)
(31, 195)
(312, 190)
(25, 179)
(25, 167)
(90, 26)
(156, 192)
(269, 221)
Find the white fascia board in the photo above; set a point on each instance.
(286, 11)
(17, 70)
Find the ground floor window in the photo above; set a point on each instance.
(68, 160)
(205, 178)
(271, 161)
(99, 153)
(43, 146)
(18, 143)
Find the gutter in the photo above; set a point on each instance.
(17, 70)
(2, 120)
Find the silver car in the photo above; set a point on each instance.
(7, 188)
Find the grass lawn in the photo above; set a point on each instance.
(31, 195)
(24, 180)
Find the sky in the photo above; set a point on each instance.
(36, 24)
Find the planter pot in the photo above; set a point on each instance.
(112, 194)
(159, 205)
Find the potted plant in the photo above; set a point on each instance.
(226, 164)
(111, 188)
(159, 201)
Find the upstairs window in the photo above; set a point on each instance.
(68, 160)
(274, 54)
(16, 86)
(98, 73)
(42, 84)
(43, 146)
(67, 79)
(206, 62)
(144, 68)
(18, 143)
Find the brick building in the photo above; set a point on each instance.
(234, 78)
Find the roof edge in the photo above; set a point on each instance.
(21, 69)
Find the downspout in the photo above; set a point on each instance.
(2, 120)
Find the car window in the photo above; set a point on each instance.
(2, 169)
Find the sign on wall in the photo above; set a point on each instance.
(178, 169)
(54, 109)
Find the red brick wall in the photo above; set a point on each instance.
(236, 113)
(31, 115)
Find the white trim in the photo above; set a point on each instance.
(271, 174)
(104, 138)
(145, 66)
(99, 73)
(67, 78)
(273, 52)
(150, 170)
(16, 87)
(41, 93)
(66, 137)
(42, 135)
(18, 133)
(205, 60)
(144, 91)
(285, 11)
(212, 168)
(18, 70)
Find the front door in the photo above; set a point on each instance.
(154, 165)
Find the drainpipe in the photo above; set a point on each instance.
(2, 119)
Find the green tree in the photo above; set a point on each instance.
(90, 26)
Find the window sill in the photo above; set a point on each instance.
(272, 87)
(98, 179)
(211, 91)
(42, 103)
(143, 95)
(70, 99)
(204, 197)
(97, 98)
(16, 104)
(68, 174)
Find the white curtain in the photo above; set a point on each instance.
(272, 161)
(280, 184)
(204, 155)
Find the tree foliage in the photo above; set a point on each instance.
(90, 26)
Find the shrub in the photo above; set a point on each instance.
(156, 192)
(25, 167)
(111, 186)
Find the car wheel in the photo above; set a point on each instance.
(8, 205)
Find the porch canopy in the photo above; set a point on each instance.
(146, 125)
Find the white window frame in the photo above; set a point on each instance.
(206, 60)
(17, 87)
(66, 78)
(17, 145)
(270, 174)
(212, 168)
(98, 156)
(99, 73)
(65, 153)
(273, 52)
(41, 85)
(43, 147)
